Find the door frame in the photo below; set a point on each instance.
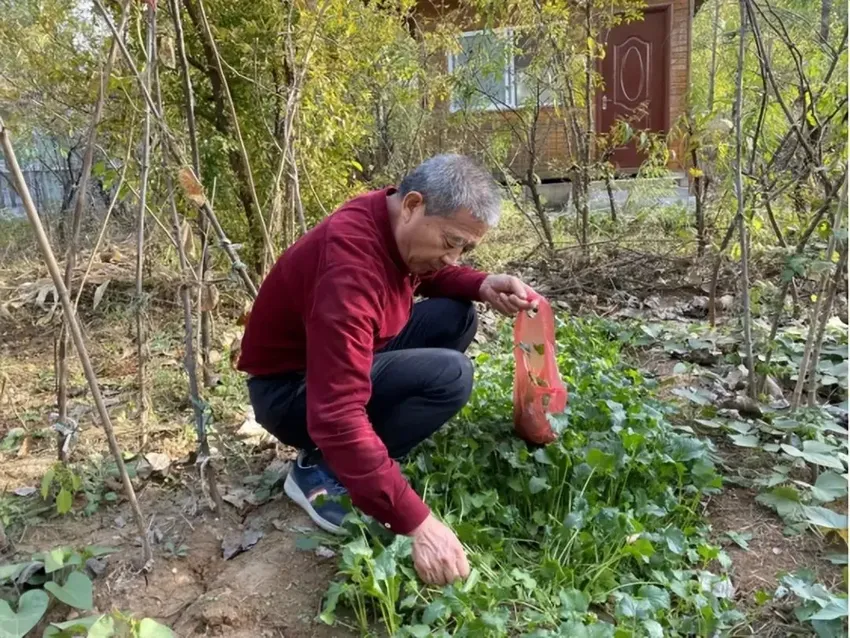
(665, 6)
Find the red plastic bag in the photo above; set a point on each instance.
(538, 389)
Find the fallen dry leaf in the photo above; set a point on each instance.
(209, 298)
(192, 188)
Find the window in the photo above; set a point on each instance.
(494, 72)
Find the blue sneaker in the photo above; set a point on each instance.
(316, 489)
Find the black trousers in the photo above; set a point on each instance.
(420, 380)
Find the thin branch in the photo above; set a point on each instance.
(190, 362)
(144, 174)
(74, 236)
(77, 336)
(106, 217)
(177, 155)
(207, 34)
(739, 194)
(840, 269)
(189, 109)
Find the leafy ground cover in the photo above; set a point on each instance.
(598, 534)
(622, 528)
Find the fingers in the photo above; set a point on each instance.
(438, 556)
(510, 304)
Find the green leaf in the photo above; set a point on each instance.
(658, 598)
(680, 368)
(575, 629)
(599, 460)
(31, 607)
(496, 619)
(630, 607)
(8, 572)
(641, 549)
(64, 501)
(335, 590)
(46, 480)
(829, 486)
(542, 457)
(653, 628)
(618, 414)
(76, 627)
(537, 485)
(745, 440)
(823, 517)
(785, 500)
(436, 610)
(837, 559)
(676, 540)
(524, 578)
(384, 567)
(471, 580)
(740, 539)
(419, 631)
(54, 560)
(816, 453)
(836, 608)
(76, 592)
(691, 396)
(574, 600)
(151, 629)
(103, 628)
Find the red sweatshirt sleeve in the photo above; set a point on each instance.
(460, 282)
(341, 328)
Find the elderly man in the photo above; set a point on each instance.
(346, 368)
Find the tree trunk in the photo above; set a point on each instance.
(825, 15)
(742, 219)
(239, 160)
(713, 72)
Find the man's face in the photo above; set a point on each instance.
(428, 243)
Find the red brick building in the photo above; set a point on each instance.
(645, 71)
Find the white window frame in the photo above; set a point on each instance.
(509, 76)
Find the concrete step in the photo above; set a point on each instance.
(630, 194)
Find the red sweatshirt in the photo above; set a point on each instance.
(337, 295)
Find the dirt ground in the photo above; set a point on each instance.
(273, 589)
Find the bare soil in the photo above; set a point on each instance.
(273, 589)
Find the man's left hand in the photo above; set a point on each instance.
(507, 294)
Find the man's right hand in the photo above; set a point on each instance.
(437, 553)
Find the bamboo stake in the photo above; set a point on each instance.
(190, 361)
(189, 108)
(840, 269)
(177, 155)
(742, 221)
(106, 217)
(139, 302)
(63, 438)
(813, 323)
(76, 334)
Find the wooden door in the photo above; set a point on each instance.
(636, 84)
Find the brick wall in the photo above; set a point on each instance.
(553, 148)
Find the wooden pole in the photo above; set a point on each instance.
(76, 333)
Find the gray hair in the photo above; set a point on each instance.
(450, 183)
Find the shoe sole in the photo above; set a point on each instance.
(294, 492)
